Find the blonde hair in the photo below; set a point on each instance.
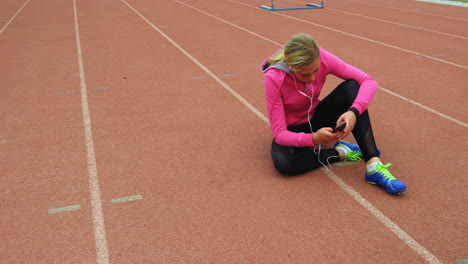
(300, 50)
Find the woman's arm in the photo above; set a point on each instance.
(276, 115)
(367, 85)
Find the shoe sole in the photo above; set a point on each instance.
(396, 193)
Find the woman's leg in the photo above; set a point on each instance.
(331, 108)
(338, 102)
(294, 161)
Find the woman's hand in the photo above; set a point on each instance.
(325, 136)
(350, 119)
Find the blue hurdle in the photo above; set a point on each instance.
(308, 6)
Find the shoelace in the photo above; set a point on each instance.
(354, 156)
(383, 170)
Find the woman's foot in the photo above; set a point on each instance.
(380, 176)
(348, 151)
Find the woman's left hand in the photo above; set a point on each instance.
(350, 119)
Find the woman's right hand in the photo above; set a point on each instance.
(325, 136)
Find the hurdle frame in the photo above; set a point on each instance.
(308, 6)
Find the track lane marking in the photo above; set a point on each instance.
(359, 37)
(408, 10)
(100, 240)
(383, 89)
(391, 22)
(399, 24)
(127, 199)
(425, 107)
(408, 240)
(64, 209)
(210, 73)
(12, 18)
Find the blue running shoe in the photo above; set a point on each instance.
(354, 152)
(383, 178)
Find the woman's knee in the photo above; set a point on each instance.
(285, 165)
(282, 164)
(344, 95)
(350, 89)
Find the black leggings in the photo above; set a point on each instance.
(298, 160)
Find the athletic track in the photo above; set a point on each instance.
(135, 131)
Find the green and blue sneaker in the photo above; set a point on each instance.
(383, 178)
(353, 151)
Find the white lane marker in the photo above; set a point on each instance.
(399, 24)
(64, 209)
(100, 240)
(11, 20)
(425, 107)
(407, 239)
(383, 89)
(409, 10)
(229, 89)
(359, 37)
(229, 23)
(127, 199)
(366, 204)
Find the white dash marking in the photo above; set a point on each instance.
(64, 209)
(127, 199)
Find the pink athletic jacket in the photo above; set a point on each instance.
(287, 107)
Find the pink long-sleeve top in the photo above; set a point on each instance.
(288, 107)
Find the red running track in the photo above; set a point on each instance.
(167, 131)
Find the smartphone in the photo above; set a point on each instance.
(339, 128)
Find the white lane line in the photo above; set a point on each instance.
(366, 204)
(399, 24)
(11, 20)
(425, 107)
(229, 23)
(394, 23)
(383, 89)
(100, 240)
(408, 10)
(359, 37)
(210, 73)
(407, 239)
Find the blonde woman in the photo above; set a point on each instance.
(302, 124)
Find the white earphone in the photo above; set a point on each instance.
(310, 124)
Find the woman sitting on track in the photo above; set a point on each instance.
(301, 123)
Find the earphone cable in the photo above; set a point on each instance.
(310, 125)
